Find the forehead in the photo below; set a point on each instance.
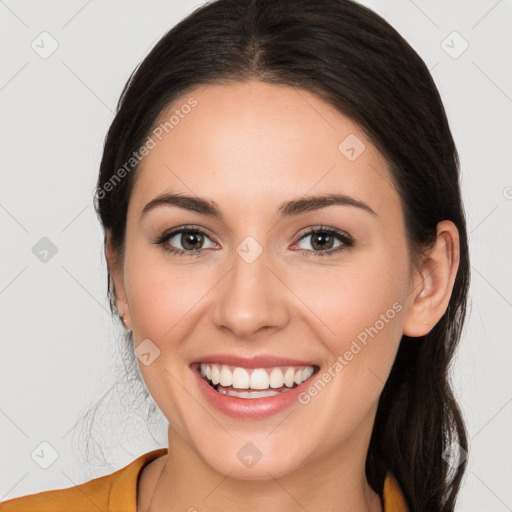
(254, 143)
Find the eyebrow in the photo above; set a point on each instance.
(287, 209)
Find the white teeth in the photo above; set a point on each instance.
(257, 379)
(276, 379)
(289, 377)
(248, 394)
(215, 374)
(240, 378)
(226, 377)
(306, 373)
(251, 394)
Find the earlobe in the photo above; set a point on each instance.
(125, 317)
(434, 282)
(116, 274)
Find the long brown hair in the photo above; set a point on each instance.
(354, 60)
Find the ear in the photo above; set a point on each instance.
(117, 275)
(433, 282)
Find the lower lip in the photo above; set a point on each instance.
(254, 408)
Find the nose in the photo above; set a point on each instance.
(252, 299)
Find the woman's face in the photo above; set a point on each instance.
(267, 281)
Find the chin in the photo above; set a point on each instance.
(251, 458)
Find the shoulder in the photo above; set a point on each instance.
(392, 495)
(114, 492)
(91, 495)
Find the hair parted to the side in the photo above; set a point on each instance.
(353, 59)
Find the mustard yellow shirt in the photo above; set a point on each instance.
(117, 492)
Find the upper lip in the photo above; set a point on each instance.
(259, 361)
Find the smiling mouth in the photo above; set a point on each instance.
(253, 383)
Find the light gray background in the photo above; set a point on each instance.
(58, 340)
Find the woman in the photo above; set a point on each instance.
(287, 250)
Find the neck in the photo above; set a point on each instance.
(186, 482)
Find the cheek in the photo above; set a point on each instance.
(161, 293)
(357, 295)
(360, 307)
(361, 312)
(164, 298)
(349, 299)
(154, 305)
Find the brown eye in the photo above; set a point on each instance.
(326, 241)
(322, 241)
(191, 241)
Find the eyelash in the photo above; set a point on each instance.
(346, 241)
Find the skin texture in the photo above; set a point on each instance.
(249, 147)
